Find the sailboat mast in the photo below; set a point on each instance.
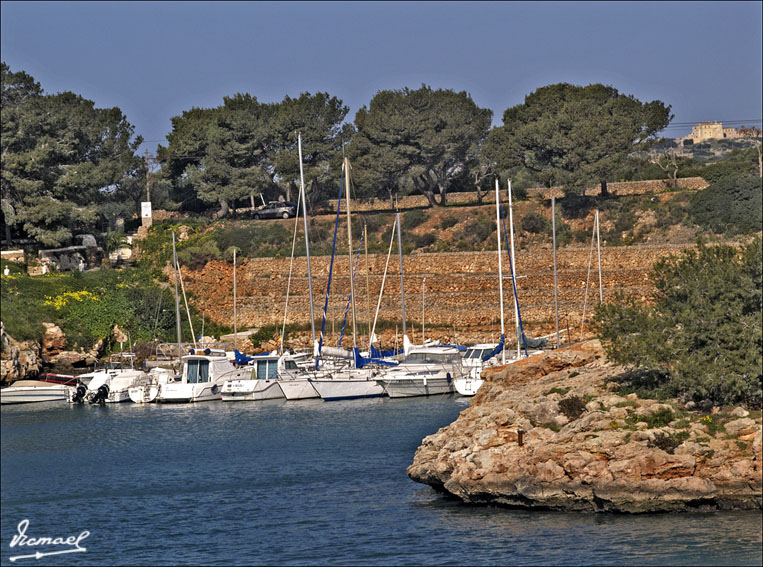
(177, 297)
(235, 312)
(349, 252)
(500, 260)
(307, 238)
(368, 287)
(598, 252)
(556, 286)
(514, 270)
(400, 255)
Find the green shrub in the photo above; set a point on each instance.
(560, 391)
(730, 206)
(412, 219)
(700, 337)
(577, 206)
(534, 223)
(476, 232)
(447, 222)
(660, 418)
(573, 407)
(423, 240)
(196, 257)
(668, 442)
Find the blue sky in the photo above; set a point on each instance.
(156, 59)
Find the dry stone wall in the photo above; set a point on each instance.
(461, 294)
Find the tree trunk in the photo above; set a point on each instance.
(443, 196)
(224, 209)
(425, 189)
(604, 190)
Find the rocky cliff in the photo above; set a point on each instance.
(550, 432)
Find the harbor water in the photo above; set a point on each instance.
(296, 483)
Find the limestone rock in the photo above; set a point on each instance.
(53, 341)
(597, 461)
(740, 427)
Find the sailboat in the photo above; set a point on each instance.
(293, 370)
(358, 379)
(427, 369)
(481, 356)
(260, 383)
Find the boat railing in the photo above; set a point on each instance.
(169, 351)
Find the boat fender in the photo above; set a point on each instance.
(214, 389)
(207, 351)
(448, 376)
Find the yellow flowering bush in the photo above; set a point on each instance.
(60, 301)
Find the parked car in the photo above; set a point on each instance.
(276, 210)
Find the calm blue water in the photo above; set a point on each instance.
(287, 483)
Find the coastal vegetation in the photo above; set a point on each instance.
(88, 305)
(699, 337)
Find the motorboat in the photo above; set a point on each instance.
(107, 385)
(147, 393)
(473, 364)
(30, 391)
(425, 371)
(204, 373)
(258, 380)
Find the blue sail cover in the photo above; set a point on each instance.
(242, 358)
(495, 351)
(361, 361)
(461, 348)
(376, 353)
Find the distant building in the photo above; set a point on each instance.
(711, 131)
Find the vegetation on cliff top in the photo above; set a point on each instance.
(87, 306)
(700, 337)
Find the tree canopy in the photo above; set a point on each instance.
(423, 139)
(701, 333)
(245, 148)
(573, 136)
(62, 159)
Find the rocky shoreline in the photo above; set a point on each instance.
(550, 432)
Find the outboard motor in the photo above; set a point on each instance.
(100, 395)
(79, 393)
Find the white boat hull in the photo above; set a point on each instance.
(468, 386)
(411, 386)
(33, 394)
(144, 394)
(251, 390)
(298, 389)
(339, 389)
(178, 393)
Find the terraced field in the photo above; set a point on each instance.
(461, 293)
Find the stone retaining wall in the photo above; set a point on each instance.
(539, 193)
